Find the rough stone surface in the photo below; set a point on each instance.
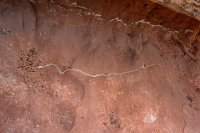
(75, 68)
(189, 7)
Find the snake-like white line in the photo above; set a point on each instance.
(98, 75)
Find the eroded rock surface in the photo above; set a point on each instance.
(189, 7)
(75, 68)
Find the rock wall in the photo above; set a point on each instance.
(94, 67)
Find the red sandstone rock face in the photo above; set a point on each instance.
(189, 7)
(78, 68)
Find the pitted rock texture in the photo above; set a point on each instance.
(68, 68)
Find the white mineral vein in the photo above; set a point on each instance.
(101, 74)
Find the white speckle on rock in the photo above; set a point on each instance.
(97, 15)
(150, 118)
(74, 4)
